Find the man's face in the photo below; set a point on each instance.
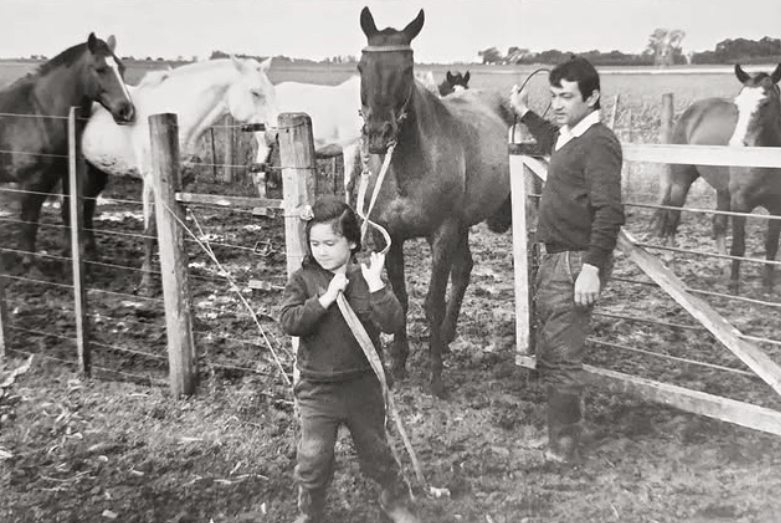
(568, 104)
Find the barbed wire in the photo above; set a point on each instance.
(695, 328)
(152, 381)
(702, 211)
(672, 358)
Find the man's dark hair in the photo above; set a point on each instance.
(577, 69)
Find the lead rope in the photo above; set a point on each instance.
(363, 187)
(390, 407)
(357, 327)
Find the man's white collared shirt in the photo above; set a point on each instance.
(566, 134)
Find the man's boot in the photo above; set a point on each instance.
(395, 507)
(564, 426)
(311, 505)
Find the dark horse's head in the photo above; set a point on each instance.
(103, 78)
(387, 80)
(759, 109)
(453, 83)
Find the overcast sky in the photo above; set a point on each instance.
(454, 30)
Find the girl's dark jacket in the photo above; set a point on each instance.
(328, 350)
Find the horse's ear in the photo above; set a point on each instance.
(449, 77)
(111, 43)
(466, 77)
(92, 42)
(266, 64)
(414, 27)
(776, 76)
(741, 74)
(367, 23)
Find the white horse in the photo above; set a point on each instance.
(199, 94)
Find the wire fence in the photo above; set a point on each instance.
(129, 331)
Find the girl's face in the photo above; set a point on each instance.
(329, 248)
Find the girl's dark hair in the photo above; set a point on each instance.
(577, 69)
(345, 222)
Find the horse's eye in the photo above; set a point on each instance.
(101, 70)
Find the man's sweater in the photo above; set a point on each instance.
(581, 207)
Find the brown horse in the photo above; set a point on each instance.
(453, 82)
(752, 119)
(449, 170)
(34, 123)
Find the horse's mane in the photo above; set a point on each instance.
(69, 56)
(196, 67)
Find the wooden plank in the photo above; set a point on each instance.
(76, 176)
(696, 154)
(724, 409)
(227, 201)
(721, 329)
(703, 154)
(520, 262)
(173, 259)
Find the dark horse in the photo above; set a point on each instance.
(453, 83)
(34, 123)
(449, 170)
(752, 119)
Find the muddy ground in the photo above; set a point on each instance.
(117, 447)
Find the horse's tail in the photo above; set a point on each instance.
(502, 219)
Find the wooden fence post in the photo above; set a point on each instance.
(630, 138)
(76, 177)
(614, 112)
(173, 260)
(3, 313)
(666, 126)
(297, 158)
(228, 157)
(666, 133)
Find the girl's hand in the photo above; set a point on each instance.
(373, 273)
(338, 284)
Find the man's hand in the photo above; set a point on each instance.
(519, 100)
(587, 286)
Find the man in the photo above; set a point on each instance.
(580, 216)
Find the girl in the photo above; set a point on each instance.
(336, 384)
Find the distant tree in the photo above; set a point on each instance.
(490, 55)
(515, 55)
(665, 46)
(218, 54)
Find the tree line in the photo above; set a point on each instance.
(664, 48)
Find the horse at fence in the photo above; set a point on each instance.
(200, 94)
(34, 124)
(448, 170)
(751, 119)
(454, 83)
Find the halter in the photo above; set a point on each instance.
(389, 49)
